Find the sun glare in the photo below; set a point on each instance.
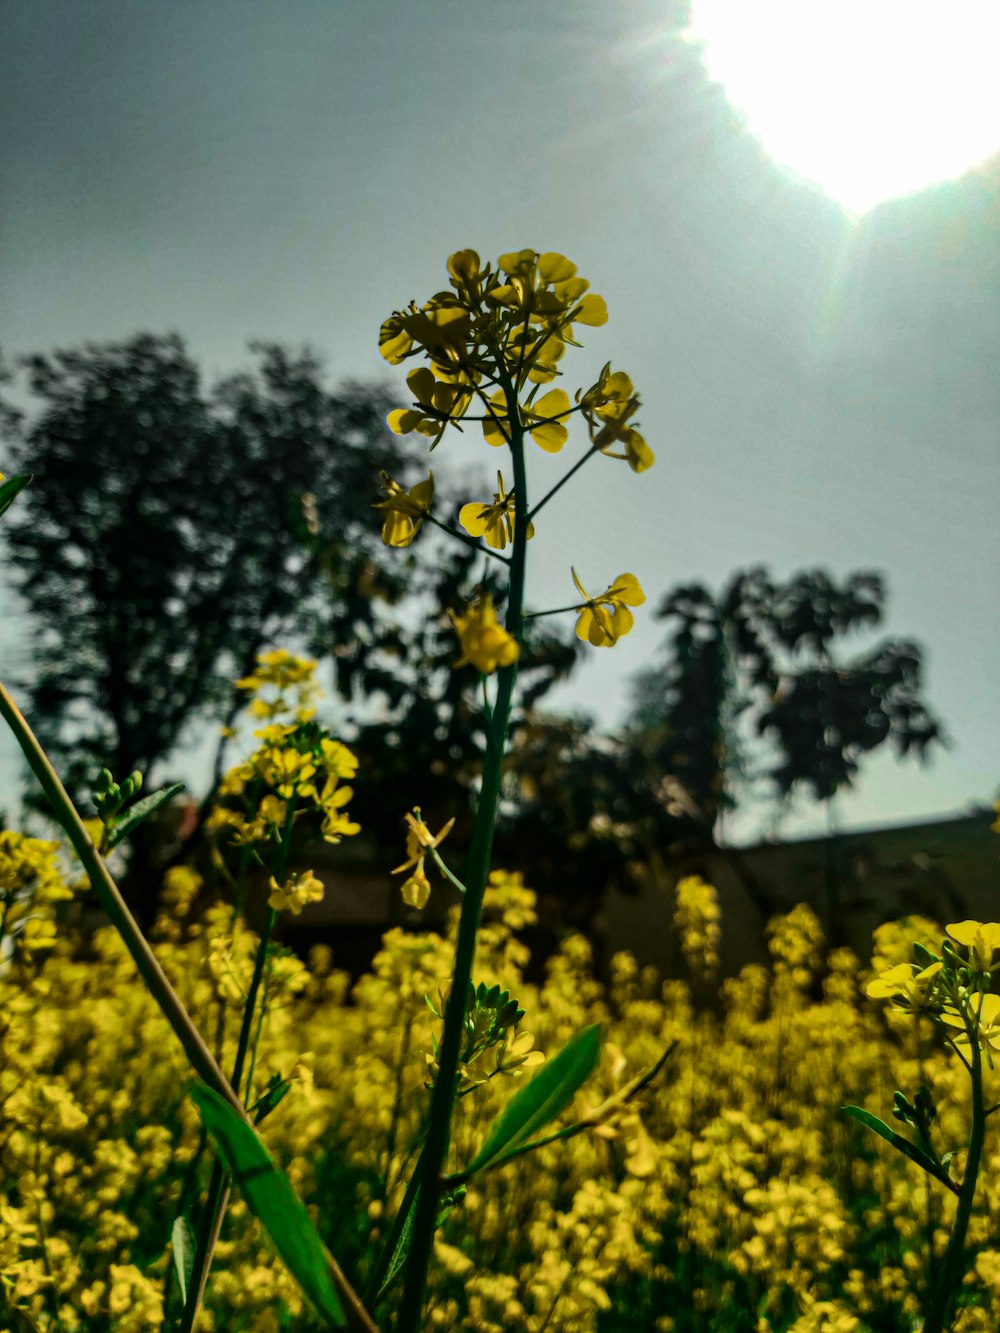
(868, 99)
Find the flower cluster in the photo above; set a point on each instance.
(737, 1187)
(296, 768)
(492, 343)
(281, 683)
(516, 321)
(696, 919)
(952, 988)
(31, 882)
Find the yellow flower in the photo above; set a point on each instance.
(493, 521)
(296, 891)
(419, 841)
(336, 822)
(405, 510)
(485, 643)
(986, 1010)
(981, 940)
(544, 420)
(440, 396)
(909, 987)
(515, 1053)
(604, 619)
(612, 402)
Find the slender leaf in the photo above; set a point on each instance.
(275, 1094)
(542, 1099)
(270, 1197)
(901, 1144)
(135, 814)
(12, 487)
(184, 1244)
(402, 1246)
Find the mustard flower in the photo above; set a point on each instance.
(439, 397)
(545, 420)
(485, 644)
(696, 918)
(986, 1012)
(419, 841)
(494, 522)
(608, 407)
(982, 941)
(528, 306)
(404, 510)
(515, 1053)
(295, 893)
(911, 988)
(604, 619)
(336, 822)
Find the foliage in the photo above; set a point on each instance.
(737, 1198)
(160, 546)
(762, 655)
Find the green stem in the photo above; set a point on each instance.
(449, 875)
(218, 1189)
(157, 983)
(950, 1272)
(432, 1159)
(464, 537)
(556, 611)
(562, 482)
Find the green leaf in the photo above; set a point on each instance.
(901, 1144)
(542, 1099)
(270, 1197)
(398, 1257)
(184, 1244)
(135, 814)
(11, 488)
(275, 1094)
(402, 1249)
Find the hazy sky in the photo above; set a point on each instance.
(818, 391)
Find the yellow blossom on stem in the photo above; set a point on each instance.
(604, 619)
(494, 522)
(404, 510)
(981, 940)
(485, 643)
(608, 407)
(544, 419)
(296, 891)
(911, 988)
(985, 1010)
(419, 841)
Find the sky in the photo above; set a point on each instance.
(820, 388)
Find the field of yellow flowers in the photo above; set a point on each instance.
(733, 1196)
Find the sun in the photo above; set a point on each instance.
(867, 99)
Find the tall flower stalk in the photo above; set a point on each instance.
(953, 987)
(492, 343)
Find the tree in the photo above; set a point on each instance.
(763, 659)
(162, 544)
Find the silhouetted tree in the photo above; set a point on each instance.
(162, 544)
(771, 652)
